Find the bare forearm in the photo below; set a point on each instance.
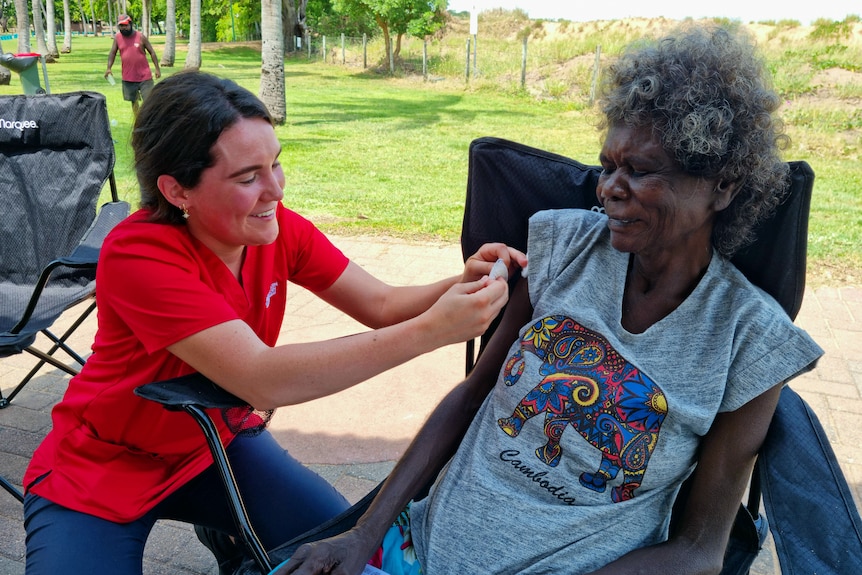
(268, 377)
(377, 304)
(435, 444)
(112, 54)
(676, 557)
(408, 302)
(289, 374)
(155, 59)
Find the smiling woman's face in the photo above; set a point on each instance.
(655, 209)
(234, 203)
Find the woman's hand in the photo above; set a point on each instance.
(465, 311)
(479, 264)
(343, 554)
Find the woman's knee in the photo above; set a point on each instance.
(284, 497)
(60, 540)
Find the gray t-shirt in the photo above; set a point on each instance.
(577, 454)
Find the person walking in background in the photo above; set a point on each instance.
(137, 77)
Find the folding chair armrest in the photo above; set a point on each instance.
(193, 389)
(40, 284)
(87, 250)
(193, 394)
(85, 255)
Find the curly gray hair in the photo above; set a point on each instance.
(706, 95)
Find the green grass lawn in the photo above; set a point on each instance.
(369, 154)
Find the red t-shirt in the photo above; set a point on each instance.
(133, 57)
(113, 454)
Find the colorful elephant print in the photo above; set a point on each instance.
(588, 385)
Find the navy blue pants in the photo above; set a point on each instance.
(283, 499)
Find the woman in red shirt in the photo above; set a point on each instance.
(196, 280)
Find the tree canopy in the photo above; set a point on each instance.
(396, 17)
(230, 20)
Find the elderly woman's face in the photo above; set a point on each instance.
(655, 210)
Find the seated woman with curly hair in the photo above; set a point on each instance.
(631, 327)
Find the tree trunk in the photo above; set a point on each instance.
(51, 30)
(22, 19)
(93, 19)
(67, 28)
(384, 26)
(288, 23)
(39, 27)
(294, 22)
(146, 27)
(193, 58)
(397, 46)
(5, 73)
(83, 18)
(170, 53)
(272, 91)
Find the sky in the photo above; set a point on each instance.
(743, 10)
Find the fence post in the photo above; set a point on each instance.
(391, 56)
(425, 59)
(342, 49)
(475, 46)
(324, 48)
(364, 50)
(308, 43)
(467, 70)
(524, 65)
(596, 70)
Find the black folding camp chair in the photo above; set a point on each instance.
(507, 183)
(56, 153)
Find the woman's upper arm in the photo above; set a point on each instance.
(375, 303)
(358, 294)
(518, 312)
(724, 467)
(205, 352)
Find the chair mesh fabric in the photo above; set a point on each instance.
(812, 515)
(56, 153)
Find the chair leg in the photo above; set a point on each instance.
(236, 504)
(59, 343)
(4, 483)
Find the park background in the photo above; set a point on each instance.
(377, 156)
(374, 145)
(376, 141)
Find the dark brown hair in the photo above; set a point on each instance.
(176, 128)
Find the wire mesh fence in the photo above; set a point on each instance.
(557, 70)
